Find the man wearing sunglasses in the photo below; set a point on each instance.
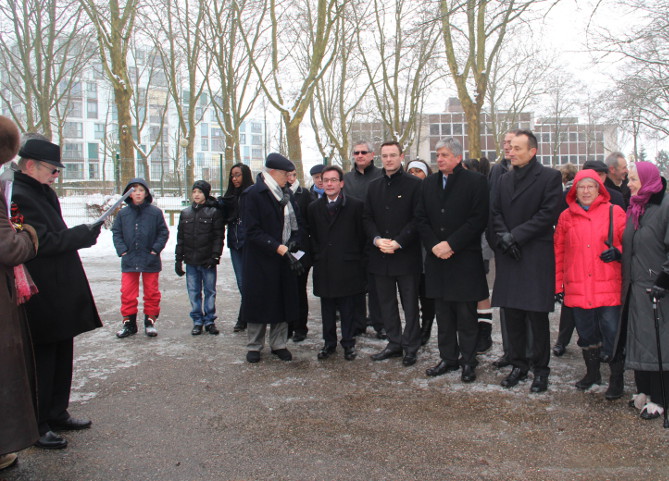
(64, 307)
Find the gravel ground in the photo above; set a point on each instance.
(179, 407)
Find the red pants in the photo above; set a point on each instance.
(130, 293)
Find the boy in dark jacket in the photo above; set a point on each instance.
(139, 234)
(199, 244)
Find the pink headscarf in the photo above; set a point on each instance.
(651, 183)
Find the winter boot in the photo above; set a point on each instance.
(616, 380)
(241, 325)
(129, 326)
(149, 325)
(592, 375)
(426, 330)
(484, 340)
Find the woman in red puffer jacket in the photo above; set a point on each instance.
(588, 273)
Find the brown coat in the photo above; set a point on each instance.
(18, 425)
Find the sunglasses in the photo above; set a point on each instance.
(360, 152)
(53, 172)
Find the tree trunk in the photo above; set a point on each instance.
(126, 148)
(294, 144)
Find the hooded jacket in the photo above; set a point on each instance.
(580, 236)
(140, 232)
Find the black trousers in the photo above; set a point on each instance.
(518, 323)
(567, 326)
(346, 307)
(649, 383)
(53, 363)
(458, 329)
(299, 325)
(407, 339)
(361, 301)
(427, 305)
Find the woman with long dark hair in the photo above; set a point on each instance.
(240, 179)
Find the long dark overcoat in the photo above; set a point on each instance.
(528, 208)
(338, 247)
(269, 287)
(18, 421)
(458, 215)
(645, 255)
(389, 214)
(64, 307)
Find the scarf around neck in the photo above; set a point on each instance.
(282, 196)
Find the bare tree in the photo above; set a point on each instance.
(562, 105)
(114, 25)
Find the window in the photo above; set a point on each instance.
(92, 109)
(457, 129)
(204, 130)
(242, 139)
(445, 129)
(73, 151)
(573, 137)
(256, 140)
(256, 127)
(93, 151)
(93, 171)
(204, 141)
(256, 153)
(199, 159)
(247, 152)
(73, 130)
(155, 133)
(434, 129)
(91, 90)
(99, 132)
(217, 144)
(73, 108)
(73, 171)
(75, 90)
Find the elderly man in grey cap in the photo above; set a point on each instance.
(269, 268)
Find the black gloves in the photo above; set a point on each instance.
(507, 243)
(179, 267)
(212, 263)
(295, 265)
(657, 292)
(292, 246)
(610, 255)
(559, 297)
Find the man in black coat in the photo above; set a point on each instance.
(395, 259)
(338, 242)
(64, 306)
(269, 269)
(524, 212)
(616, 178)
(452, 213)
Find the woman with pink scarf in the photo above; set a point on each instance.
(645, 265)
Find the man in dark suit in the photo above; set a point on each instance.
(395, 260)
(452, 213)
(617, 175)
(338, 243)
(525, 209)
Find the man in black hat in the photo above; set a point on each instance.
(316, 173)
(64, 306)
(269, 268)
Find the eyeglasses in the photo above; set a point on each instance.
(360, 152)
(236, 176)
(587, 187)
(53, 172)
(333, 180)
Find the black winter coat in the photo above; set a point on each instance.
(232, 217)
(458, 215)
(338, 246)
(529, 210)
(138, 231)
(389, 214)
(356, 184)
(269, 287)
(200, 233)
(64, 306)
(304, 197)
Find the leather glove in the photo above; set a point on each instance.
(179, 268)
(295, 265)
(212, 263)
(657, 292)
(559, 297)
(610, 255)
(292, 246)
(95, 226)
(509, 246)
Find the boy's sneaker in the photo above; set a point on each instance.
(149, 326)
(211, 329)
(197, 330)
(129, 326)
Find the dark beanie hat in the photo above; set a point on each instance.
(596, 165)
(317, 169)
(203, 185)
(279, 162)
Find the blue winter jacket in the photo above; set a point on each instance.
(139, 230)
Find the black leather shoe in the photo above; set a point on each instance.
(559, 349)
(212, 329)
(409, 360)
(442, 368)
(51, 440)
(71, 424)
(326, 352)
(502, 362)
(349, 353)
(359, 332)
(283, 354)
(253, 356)
(240, 326)
(514, 378)
(386, 354)
(468, 374)
(197, 330)
(381, 334)
(540, 384)
(299, 337)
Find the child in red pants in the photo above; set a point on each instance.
(139, 234)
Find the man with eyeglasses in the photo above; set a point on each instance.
(64, 306)
(356, 183)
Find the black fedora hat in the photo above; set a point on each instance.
(42, 150)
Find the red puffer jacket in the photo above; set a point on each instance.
(586, 280)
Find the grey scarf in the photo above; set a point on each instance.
(283, 198)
